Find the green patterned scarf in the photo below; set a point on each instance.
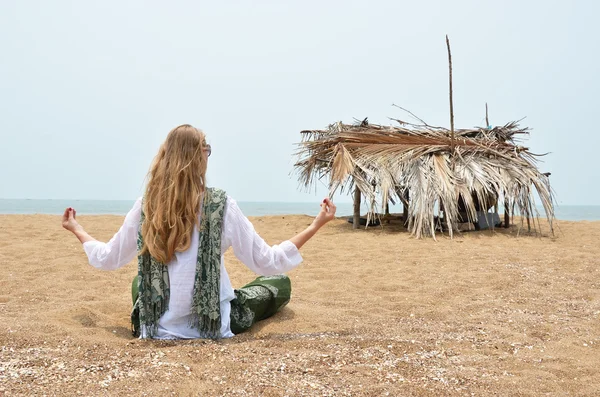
(153, 276)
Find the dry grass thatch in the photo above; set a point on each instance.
(433, 167)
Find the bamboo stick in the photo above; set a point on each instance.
(451, 101)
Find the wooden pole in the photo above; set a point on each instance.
(506, 215)
(451, 101)
(356, 216)
(487, 120)
(405, 207)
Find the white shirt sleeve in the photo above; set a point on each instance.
(251, 249)
(122, 248)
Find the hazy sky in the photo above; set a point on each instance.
(89, 90)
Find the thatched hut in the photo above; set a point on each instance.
(433, 170)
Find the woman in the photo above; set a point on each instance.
(180, 231)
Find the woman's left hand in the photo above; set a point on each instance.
(69, 220)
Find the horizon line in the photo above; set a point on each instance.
(248, 201)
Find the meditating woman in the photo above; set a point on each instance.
(180, 230)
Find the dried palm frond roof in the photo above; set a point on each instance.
(430, 165)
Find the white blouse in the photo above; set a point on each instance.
(237, 232)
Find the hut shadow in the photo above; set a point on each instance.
(397, 226)
(392, 224)
(514, 231)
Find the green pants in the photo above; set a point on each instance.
(255, 301)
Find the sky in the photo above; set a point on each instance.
(89, 90)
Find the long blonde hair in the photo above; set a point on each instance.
(176, 182)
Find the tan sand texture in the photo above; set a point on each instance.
(373, 313)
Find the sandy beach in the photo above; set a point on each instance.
(373, 313)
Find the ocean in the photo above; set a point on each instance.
(121, 207)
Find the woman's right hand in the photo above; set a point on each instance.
(326, 214)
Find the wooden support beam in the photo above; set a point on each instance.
(356, 216)
(405, 198)
(506, 215)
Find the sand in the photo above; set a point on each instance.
(373, 313)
